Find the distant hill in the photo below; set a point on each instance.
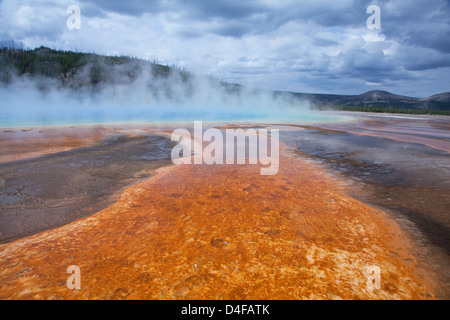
(385, 99)
(379, 99)
(76, 70)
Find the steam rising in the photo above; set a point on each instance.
(134, 92)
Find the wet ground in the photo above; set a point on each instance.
(399, 165)
(224, 232)
(48, 191)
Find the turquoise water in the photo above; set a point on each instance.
(25, 105)
(38, 119)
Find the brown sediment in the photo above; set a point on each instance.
(395, 134)
(409, 181)
(221, 232)
(30, 143)
(440, 144)
(405, 130)
(41, 193)
(240, 126)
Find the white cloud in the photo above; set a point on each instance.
(314, 46)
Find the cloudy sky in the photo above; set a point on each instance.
(315, 46)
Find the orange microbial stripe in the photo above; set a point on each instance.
(220, 232)
(30, 143)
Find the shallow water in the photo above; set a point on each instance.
(43, 119)
(48, 191)
(220, 232)
(232, 222)
(375, 159)
(393, 166)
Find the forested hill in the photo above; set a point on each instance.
(76, 69)
(80, 70)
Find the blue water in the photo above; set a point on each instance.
(25, 106)
(38, 118)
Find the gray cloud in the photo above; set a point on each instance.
(321, 42)
(309, 45)
(129, 7)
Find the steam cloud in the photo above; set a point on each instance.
(133, 92)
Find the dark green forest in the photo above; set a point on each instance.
(67, 65)
(77, 69)
(384, 109)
